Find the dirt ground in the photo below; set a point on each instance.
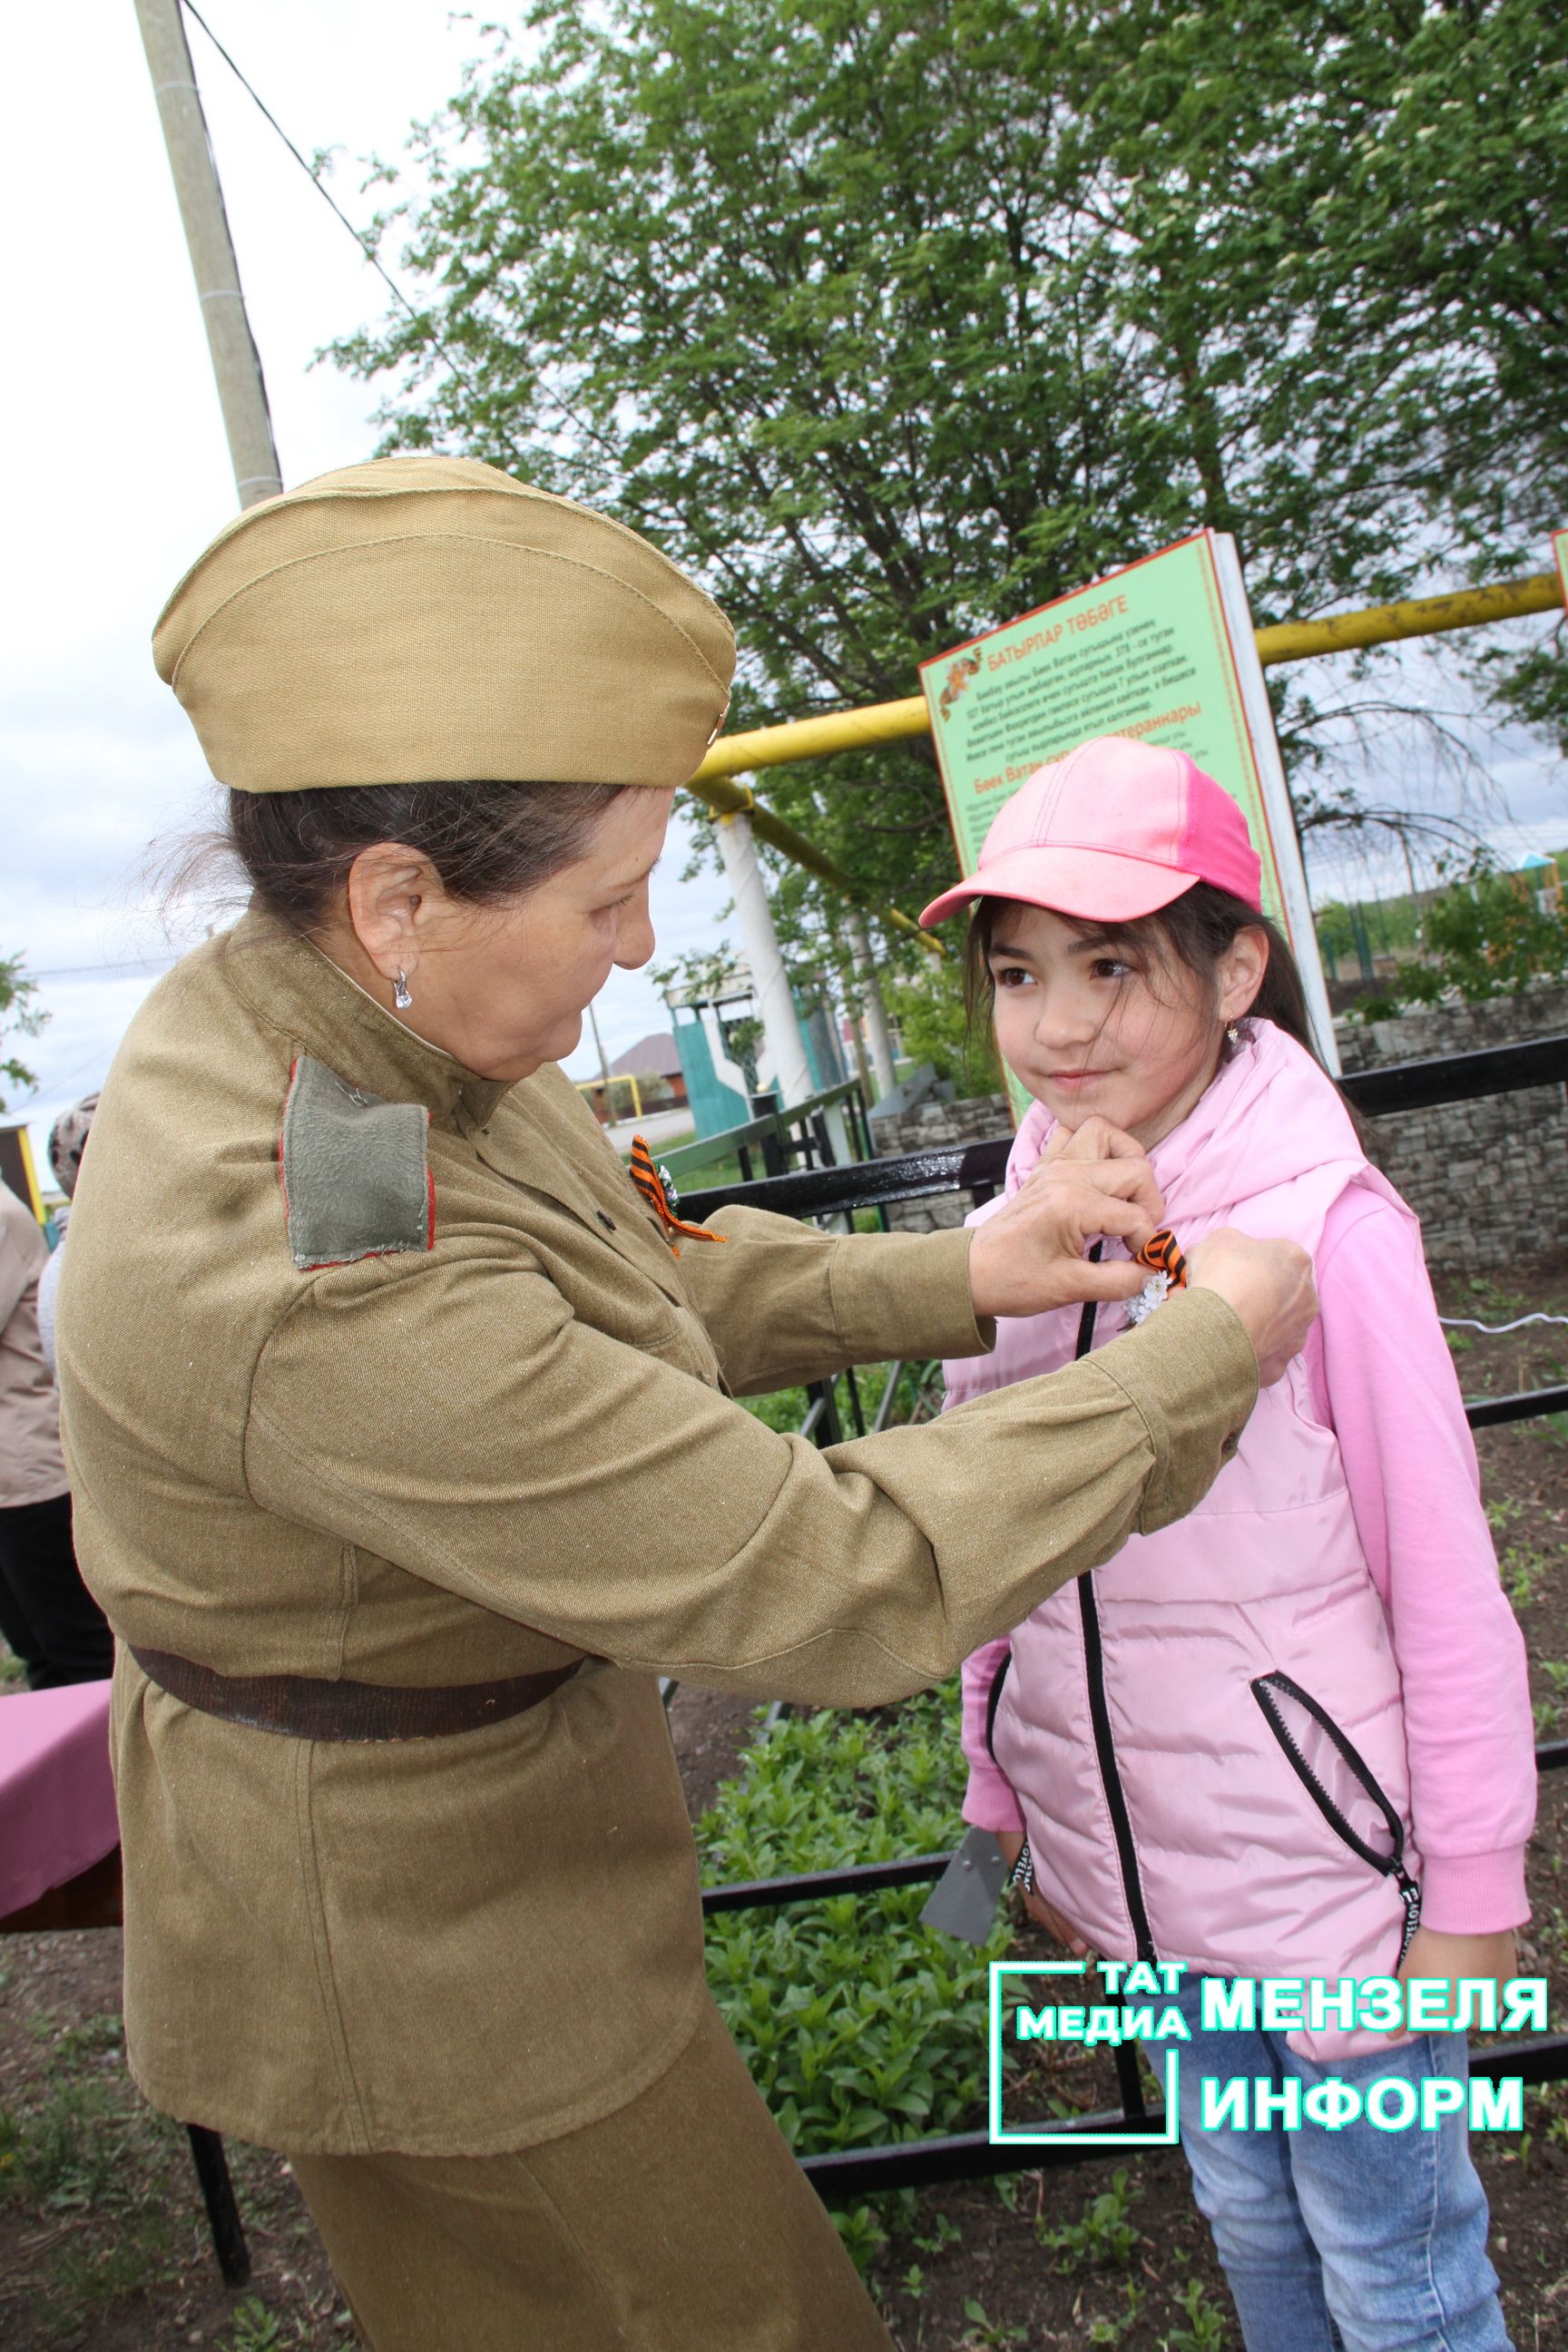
(103, 2245)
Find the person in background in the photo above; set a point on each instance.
(46, 1614)
(68, 1141)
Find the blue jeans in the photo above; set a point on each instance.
(1350, 2240)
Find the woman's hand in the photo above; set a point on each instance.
(1097, 1182)
(1012, 1845)
(1269, 1286)
(1029, 1257)
(1445, 1959)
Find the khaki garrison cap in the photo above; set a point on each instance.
(430, 620)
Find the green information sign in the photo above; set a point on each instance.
(1163, 651)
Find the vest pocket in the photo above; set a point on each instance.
(1341, 1783)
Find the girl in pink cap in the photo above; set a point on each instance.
(1291, 1735)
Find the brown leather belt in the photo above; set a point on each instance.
(304, 1707)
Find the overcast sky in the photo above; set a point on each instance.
(118, 471)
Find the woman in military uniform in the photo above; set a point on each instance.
(404, 1455)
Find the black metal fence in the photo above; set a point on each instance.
(778, 1136)
(978, 1169)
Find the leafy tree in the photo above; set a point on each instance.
(1485, 936)
(1336, 933)
(20, 1014)
(928, 1008)
(893, 317)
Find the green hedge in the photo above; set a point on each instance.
(859, 2025)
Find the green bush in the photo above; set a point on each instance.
(785, 1409)
(859, 2025)
(935, 1027)
(1484, 937)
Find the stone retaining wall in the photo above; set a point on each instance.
(1489, 1179)
(929, 1127)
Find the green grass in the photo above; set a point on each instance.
(786, 1408)
(1522, 1571)
(1105, 2237)
(1550, 1713)
(82, 2148)
(257, 2329)
(1107, 2329)
(700, 1175)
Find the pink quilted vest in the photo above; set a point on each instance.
(1206, 1737)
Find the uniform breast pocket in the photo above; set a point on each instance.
(687, 1346)
(1341, 1784)
(618, 1299)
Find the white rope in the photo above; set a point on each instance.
(1465, 1323)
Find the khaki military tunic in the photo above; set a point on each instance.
(494, 1439)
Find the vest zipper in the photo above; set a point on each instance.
(995, 1701)
(1099, 1712)
(1265, 1689)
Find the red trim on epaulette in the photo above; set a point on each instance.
(282, 1122)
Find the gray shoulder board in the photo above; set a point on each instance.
(357, 1180)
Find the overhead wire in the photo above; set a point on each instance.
(367, 253)
(717, 793)
(421, 319)
(127, 967)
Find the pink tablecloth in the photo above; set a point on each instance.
(57, 1795)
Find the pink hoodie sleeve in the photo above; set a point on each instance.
(989, 1803)
(1383, 1376)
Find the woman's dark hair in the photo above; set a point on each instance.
(1190, 934)
(489, 842)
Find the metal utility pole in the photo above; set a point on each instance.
(604, 1065)
(871, 1004)
(235, 364)
(783, 1042)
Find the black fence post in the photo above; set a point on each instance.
(223, 2213)
(825, 1425)
(862, 1123)
(766, 1106)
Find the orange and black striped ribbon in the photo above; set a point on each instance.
(1161, 1254)
(650, 1184)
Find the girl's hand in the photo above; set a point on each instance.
(1436, 1955)
(1012, 1845)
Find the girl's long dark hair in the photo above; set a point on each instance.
(1192, 933)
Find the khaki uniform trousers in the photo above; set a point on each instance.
(681, 2224)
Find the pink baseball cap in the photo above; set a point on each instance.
(1114, 831)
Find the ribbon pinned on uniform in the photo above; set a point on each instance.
(653, 1186)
